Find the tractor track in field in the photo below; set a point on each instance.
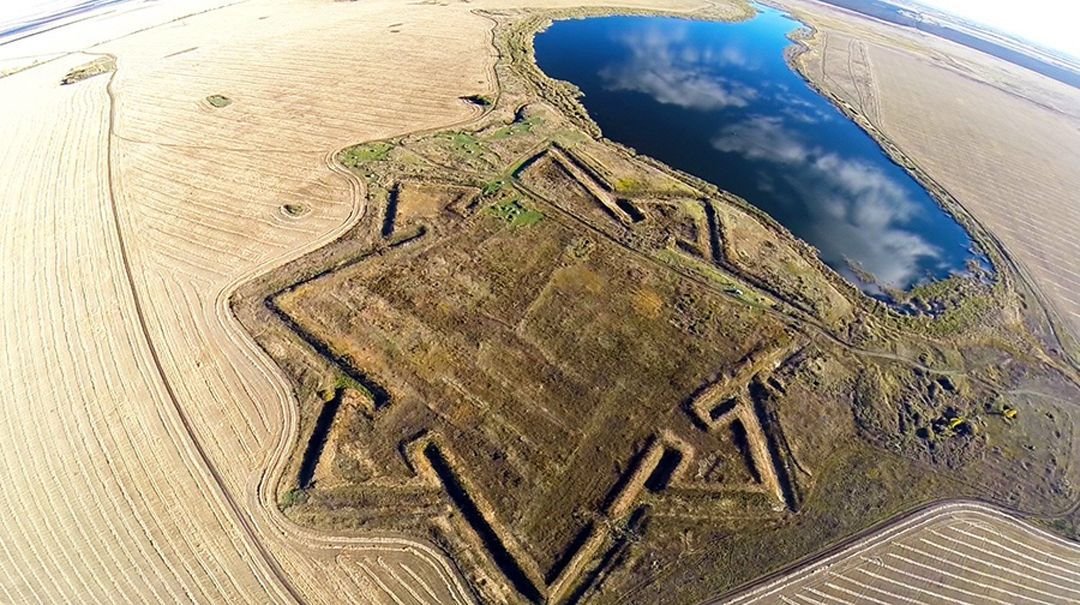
(239, 517)
(262, 497)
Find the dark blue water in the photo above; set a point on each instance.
(718, 100)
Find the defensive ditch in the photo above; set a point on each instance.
(653, 468)
(391, 211)
(317, 442)
(741, 440)
(379, 395)
(632, 211)
(634, 525)
(715, 246)
(569, 552)
(723, 408)
(665, 470)
(459, 495)
(770, 426)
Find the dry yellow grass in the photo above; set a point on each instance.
(144, 429)
(1004, 141)
(748, 245)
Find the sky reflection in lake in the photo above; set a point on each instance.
(719, 101)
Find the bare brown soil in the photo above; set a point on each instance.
(96, 67)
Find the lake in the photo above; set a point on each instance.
(719, 101)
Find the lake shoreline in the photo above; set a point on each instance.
(894, 236)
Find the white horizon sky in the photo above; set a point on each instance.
(1051, 23)
(16, 11)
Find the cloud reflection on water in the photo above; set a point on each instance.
(851, 209)
(664, 65)
(720, 101)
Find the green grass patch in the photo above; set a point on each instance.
(514, 213)
(570, 138)
(493, 187)
(627, 185)
(368, 152)
(346, 382)
(523, 127)
(463, 142)
(219, 101)
(293, 497)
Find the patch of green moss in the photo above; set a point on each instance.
(515, 214)
(493, 187)
(367, 152)
(523, 127)
(346, 382)
(463, 142)
(628, 185)
(219, 101)
(293, 497)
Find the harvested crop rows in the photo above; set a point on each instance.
(106, 497)
(1031, 203)
(965, 554)
(205, 191)
(99, 496)
(146, 430)
(89, 28)
(982, 128)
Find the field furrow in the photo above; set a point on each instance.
(954, 553)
